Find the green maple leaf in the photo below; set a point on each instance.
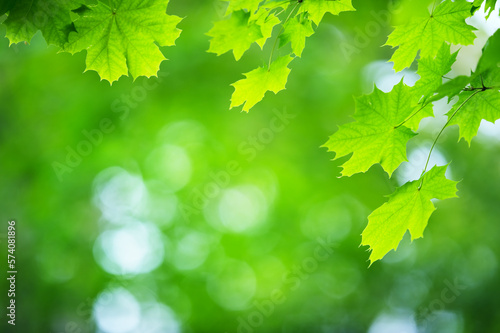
(235, 33)
(451, 88)
(489, 6)
(250, 5)
(266, 23)
(296, 31)
(459, 84)
(251, 90)
(486, 70)
(121, 39)
(471, 108)
(432, 70)
(479, 97)
(377, 135)
(318, 8)
(489, 58)
(408, 208)
(51, 17)
(445, 24)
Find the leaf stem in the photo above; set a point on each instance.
(279, 34)
(439, 134)
(270, 9)
(412, 115)
(483, 88)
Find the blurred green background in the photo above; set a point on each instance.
(185, 216)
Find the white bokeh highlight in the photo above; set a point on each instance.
(116, 311)
(133, 249)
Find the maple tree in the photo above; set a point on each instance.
(122, 37)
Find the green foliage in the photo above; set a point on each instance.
(489, 6)
(252, 21)
(266, 23)
(226, 205)
(51, 17)
(408, 208)
(252, 89)
(432, 70)
(318, 8)
(124, 37)
(476, 103)
(478, 94)
(121, 38)
(489, 58)
(234, 34)
(445, 23)
(385, 122)
(249, 5)
(376, 136)
(295, 32)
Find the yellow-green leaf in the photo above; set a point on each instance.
(446, 23)
(318, 8)
(379, 134)
(51, 17)
(296, 31)
(251, 90)
(121, 39)
(235, 33)
(408, 208)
